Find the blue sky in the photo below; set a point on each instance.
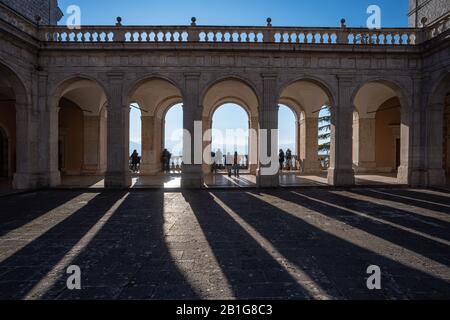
(326, 13)
(239, 12)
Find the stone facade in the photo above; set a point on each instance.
(48, 10)
(395, 80)
(432, 10)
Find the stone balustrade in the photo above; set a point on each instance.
(216, 34)
(227, 34)
(438, 28)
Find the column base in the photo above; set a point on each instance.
(267, 181)
(436, 177)
(341, 177)
(365, 167)
(117, 180)
(90, 170)
(253, 169)
(310, 167)
(150, 169)
(413, 177)
(26, 181)
(403, 175)
(192, 177)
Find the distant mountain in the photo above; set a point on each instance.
(135, 146)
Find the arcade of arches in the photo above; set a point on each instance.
(88, 133)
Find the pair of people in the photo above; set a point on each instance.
(232, 164)
(165, 160)
(285, 157)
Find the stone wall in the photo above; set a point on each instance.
(48, 10)
(431, 9)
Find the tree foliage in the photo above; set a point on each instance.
(325, 132)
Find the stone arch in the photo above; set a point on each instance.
(78, 106)
(136, 84)
(440, 89)
(383, 128)
(14, 111)
(67, 84)
(323, 84)
(22, 96)
(438, 132)
(231, 77)
(155, 95)
(5, 153)
(307, 95)
(294, 106)
(237, 90)
(397, 87)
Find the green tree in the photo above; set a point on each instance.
(325, 130)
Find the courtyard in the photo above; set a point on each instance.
(226, 244)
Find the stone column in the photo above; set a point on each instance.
(268, 170)
(207, 125)
(37, 139)
(341, 172)
(150, 163)
(192, 176)
(365, 145)
(309, 146)
(103, 136)
(26, 149)
(118, 172)
(435, 142)
(91, 142)
(412, 153)
(253, 145)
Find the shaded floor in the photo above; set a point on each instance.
(224, 244)
(6, 187)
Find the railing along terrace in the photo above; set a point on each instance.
(225, 34)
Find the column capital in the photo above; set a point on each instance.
(269, 76)
(192, 75)
(115, 75)
(345, 79)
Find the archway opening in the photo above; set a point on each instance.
(173, 138)
(159, 102)
(230, 139)
(377, 134)
(230, 104)
(288, 138)
(307, 98)
(82, 133)
(446, 144)
(135, 144)
(4, 154)
(7, 132)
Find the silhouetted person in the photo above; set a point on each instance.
(236, 165)
(289, 159)
(135, 159)
(281, 159)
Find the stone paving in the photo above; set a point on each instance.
(224, 244)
